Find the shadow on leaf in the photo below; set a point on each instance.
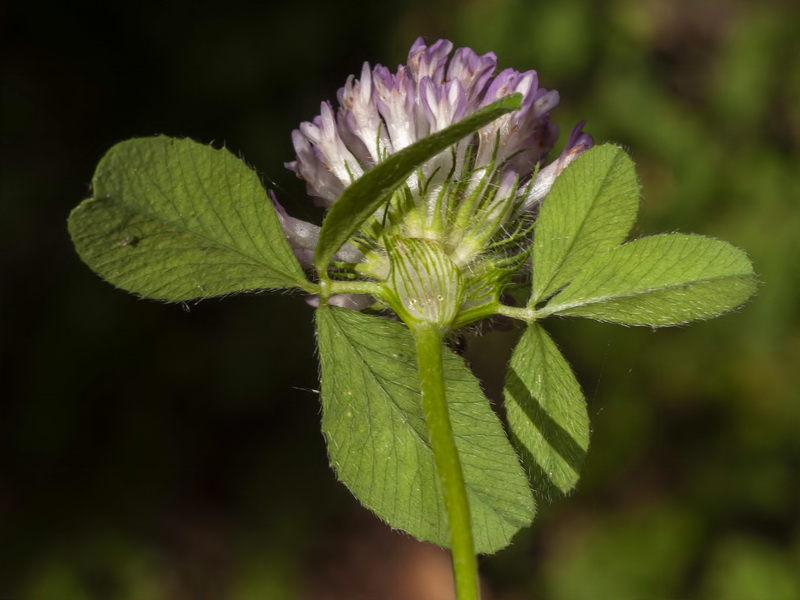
(557, 454)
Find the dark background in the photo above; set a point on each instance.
(150, 452)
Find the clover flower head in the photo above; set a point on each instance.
(484, 189)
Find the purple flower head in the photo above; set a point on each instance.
(383, 111)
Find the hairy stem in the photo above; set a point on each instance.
(429, 341)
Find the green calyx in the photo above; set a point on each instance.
(426, 286)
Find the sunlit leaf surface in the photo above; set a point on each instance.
(590, 209)
(378, 443)
(174, 220)
(660, 280)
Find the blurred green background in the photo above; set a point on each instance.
(150, 451)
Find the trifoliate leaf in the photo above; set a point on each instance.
(546, 413)
(367, 193)
(660, 280)
(174, 220)
(374, 424)
(590, 210)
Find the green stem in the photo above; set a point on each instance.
(522, 314)
(527, 314)
(430, 342)
(354, 287)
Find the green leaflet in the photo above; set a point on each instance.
(660, 280)
(174, 220)
(546, 413)
(378, 443)
(365, 195)
(590, 209)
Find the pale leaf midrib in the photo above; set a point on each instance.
(666, 288)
